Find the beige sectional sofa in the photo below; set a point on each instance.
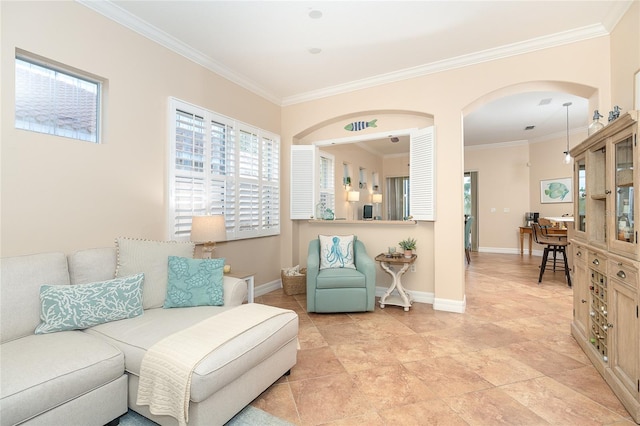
(90, 377)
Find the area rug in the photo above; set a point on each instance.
(249, 416)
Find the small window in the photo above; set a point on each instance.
(346, 175)
(57, 101)
(363, 178)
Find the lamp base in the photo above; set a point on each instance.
(207, 250)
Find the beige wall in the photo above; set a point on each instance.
(446, 96)
(503, 194)
(625, 58)
(63, 195)
(59, 194)
(509, 178)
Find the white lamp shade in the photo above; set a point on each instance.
(206, 229)
(353, 196)
(376, 198)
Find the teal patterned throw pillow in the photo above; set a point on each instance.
(75, 307)
(194, 282)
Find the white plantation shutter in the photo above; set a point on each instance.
(422, 183)
(221, 166)
(270, 200)
(190, 200)
(248, 207)
(218, 164)
(248, 204)
(189, 180)
(304, 166)
(270, 204)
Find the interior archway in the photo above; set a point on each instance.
(525, 157)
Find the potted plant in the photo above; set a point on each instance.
(408, 245)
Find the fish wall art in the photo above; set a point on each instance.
(556, 191)
(356, 126)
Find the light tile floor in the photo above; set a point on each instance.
(508, 360)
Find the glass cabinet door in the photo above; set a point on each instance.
(597, 195)
(624, 193)
(581, 186)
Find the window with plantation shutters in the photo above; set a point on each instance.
(222, 166)
(312, 181)
(327, 181)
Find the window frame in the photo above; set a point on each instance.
(70, 72)
(234, 184)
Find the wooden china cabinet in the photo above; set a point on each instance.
(606, 256)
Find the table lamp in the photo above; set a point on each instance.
(353, 197)
(208, 230)
(377, 199)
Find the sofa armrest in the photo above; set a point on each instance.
(235, 291)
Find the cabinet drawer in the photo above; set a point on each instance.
(580, 254)
(624, 273)
(598, 262)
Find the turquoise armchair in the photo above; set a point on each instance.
(341, 289)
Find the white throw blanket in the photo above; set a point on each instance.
(167, 367)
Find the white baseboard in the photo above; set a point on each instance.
(426, 297)
(418, 296)
(448, 305)
(265, 288)
(506, 250)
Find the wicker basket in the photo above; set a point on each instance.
(294, 284)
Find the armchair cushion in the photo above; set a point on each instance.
(336, 251)
(340, 278)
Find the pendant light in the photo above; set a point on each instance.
(567, 156)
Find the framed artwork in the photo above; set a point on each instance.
(556, 190)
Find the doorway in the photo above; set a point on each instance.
(471, 205)
(398, 198)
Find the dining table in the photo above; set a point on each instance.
(527, 230)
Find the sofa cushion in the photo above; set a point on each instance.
(194, 282)
(336, 251)
(228, 362)
(41, 372)
(74, 307)
(21, 278)
(150, 258)
(92, 265)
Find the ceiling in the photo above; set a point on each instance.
(294, 51)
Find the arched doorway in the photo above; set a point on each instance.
(510, 161)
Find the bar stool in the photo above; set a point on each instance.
(554, 244)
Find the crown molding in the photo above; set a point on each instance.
(122, 17)
(480, 147)
(498, 145)
(126, 19)
(506, 51)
